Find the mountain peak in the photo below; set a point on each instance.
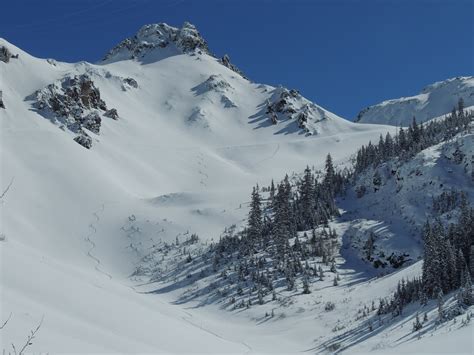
(151, 37)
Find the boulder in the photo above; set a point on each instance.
(131, 82)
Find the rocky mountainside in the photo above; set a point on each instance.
(434, 100)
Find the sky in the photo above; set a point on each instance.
(342, 54)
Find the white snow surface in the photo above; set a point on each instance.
(434, 100)
(183, 160)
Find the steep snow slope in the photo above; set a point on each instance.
(396, 209)
(434, 100)
(190, 141)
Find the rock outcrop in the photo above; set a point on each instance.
(75, 102)
(130, 82)
(186, 39)
(290, 105)
(70, 97)
(112, 113)
(84, 140)
(5, 54)
(225, 61)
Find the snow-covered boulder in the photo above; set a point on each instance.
(129, 82)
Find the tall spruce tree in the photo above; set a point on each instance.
(307, 200)
(255, 220)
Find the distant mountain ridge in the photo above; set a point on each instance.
(434, 100)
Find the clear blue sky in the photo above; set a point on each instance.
(343, 55)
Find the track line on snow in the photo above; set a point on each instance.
(204, 175)
(189, 315)
(88, 239)
(270, 157)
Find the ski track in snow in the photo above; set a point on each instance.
(275, 152)
(88, 239)
(204, 176)
(187, 319)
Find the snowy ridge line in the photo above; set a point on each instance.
(93, 245)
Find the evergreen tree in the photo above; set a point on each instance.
(307, 199)
(255, 221)
(272, 192)
(329, 177)
(461, 107)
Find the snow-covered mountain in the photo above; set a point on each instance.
(434, 100)
(158, 141)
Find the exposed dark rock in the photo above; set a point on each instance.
(225, 61)
(131, 82)
(2, 105)
(5, 54)
(186, 39)
(228, 103)
(70, 97)
(217, 83)
(112, 113)
(91, 122)
(286, 105)
(76, 103)
(302, 119)
(84, 140)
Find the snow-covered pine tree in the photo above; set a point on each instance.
(307, 202)
(255, 220)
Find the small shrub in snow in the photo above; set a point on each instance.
(417, 324)
(329, 306)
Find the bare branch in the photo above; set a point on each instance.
(5, 323)
(29, 339)
(6, 190)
